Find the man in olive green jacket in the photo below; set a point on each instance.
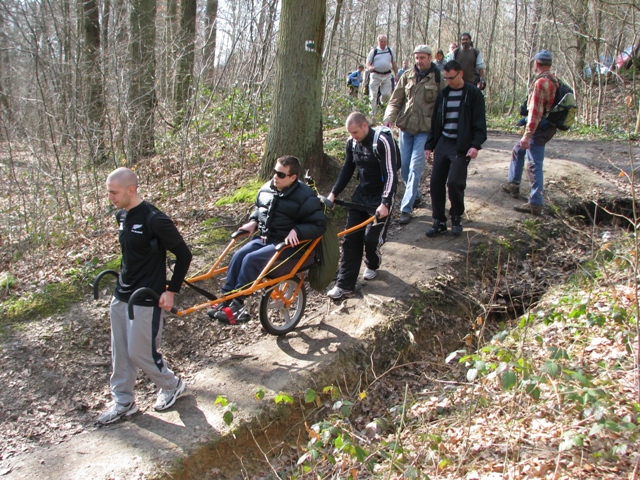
(410, 109)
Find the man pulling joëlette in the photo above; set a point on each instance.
(145, 235)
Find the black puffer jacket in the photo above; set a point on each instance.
(297, 206)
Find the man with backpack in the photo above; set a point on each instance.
(538, 131)
(354, 79)
(471, 60)
(373, 153)
(382, 66)
(145, 235)
(410, 109)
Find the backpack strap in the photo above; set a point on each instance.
(475, 50)
(376, 137)
(154, 240)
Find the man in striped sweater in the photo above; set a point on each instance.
(458, 130)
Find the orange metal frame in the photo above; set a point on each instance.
(263, 281)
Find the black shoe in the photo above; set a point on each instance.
(233, 314)
(437, 228)
(418, 201)
(456, 225)
(405, 217)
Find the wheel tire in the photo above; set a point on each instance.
(275, 317)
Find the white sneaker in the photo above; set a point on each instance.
(166, 398)
(116, 412)
(337, 292)
(369, 274)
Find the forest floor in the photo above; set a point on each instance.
(55, 370)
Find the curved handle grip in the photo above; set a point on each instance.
(96, 282)
(144, 291)
(328, 203)
(238, 233)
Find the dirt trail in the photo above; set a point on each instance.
(315, 352)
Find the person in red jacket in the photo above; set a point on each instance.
(538, 131)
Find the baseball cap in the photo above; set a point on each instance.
(542, 56)
(422, 49)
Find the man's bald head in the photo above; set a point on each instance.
(124, 177)
(122, 188)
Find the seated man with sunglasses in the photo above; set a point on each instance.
(286, 210)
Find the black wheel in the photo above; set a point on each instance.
(282, 306)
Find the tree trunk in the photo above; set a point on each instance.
(142, 66)
(210, 14)
(5, 107)
(296, 114)
(94, 82)
(186, 51)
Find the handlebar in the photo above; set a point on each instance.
(328, 203)
(239, 233)
(144, 291)
(96, 282)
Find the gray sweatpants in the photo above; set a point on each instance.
(134, 346)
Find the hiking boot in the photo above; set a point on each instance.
(437, 228)
(405, 217)
(418, 201)
(512, 189)
(116, 412)
(369, 274)
(166, 398)
(456, 225)
(233, 314)
(529, 208)
(336, 292)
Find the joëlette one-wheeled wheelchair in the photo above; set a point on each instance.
(280, 285)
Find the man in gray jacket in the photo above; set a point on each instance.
(410, 109)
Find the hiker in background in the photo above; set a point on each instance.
(354, 80)
(410, 110)
(440, 60)
(452, 48)
(286, 210)
(145, 235)
(405, 67)
(471, 60)
(375, 164)
(381, 63)
(538, 131)
(458, 130)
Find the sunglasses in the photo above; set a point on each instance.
(451, 78)
(280, 174)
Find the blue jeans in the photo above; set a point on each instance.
(247, 263)
(412, 156)
(535, 157)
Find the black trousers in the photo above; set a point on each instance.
(449, 172)
(369, 239)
